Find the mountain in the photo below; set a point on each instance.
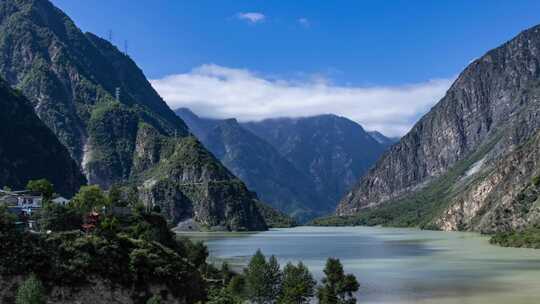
(29, 150)
(382, 139)
(470, 163)
(334, 151)
(258, 163)
(200, 127)
(119, 130)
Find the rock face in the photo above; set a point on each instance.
(272, 170)
(29, 150)
(333, 150)
(463, 165)
(101, 107)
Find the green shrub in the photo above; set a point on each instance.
(536, 181)
(30, 292)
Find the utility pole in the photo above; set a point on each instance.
(110, 36)
(125, 47)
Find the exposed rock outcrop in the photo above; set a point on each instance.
(489, 114)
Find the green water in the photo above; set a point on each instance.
(399, 265)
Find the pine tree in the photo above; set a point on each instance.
(237, 286)
(256, 287)
(30, 292)
(222, 296)
(273, 279)
(337, 288)
(298, 285)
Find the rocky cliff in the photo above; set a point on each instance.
(101, 107)
(29, 150)
(467, 162)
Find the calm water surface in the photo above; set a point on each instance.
(398, 265)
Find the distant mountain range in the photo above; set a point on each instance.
(301, 166)
(473, 161)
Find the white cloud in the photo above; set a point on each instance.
(304, 22)
(220, 92)
(251, 17)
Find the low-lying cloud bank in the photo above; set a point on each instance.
(221, 92)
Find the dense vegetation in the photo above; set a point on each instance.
(417, 209)
(89, 242)
(28, 149)
(275, 218)
(131, 252)
(100, 106)
(529, 238)
(264, 282)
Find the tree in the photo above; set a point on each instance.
(114, 197)
(337, 288)
(263, 279)
(41, 186)
(273, 278)
(109, 227)
(154, 300)
(226, 273)
(7, 220)
(237, 286)
(89, 198)
(298, 285)
(222, 296)
(256, 288)
(60, 218)
(30, 292)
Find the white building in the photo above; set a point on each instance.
(61, 201)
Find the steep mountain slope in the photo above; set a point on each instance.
(333, 150)
(256, 162)
(463, 166)
(72, 79)
(270, 162)
(382, 139)
(199, 126)
(29, 150)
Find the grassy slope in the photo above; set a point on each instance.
(418, 209)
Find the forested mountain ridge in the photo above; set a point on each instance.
(29, 150)
(462, 166)
(259, 164)
(119, 130)
(333, 150)
(300, 166)
(382, 139)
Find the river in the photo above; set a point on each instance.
(398, 265)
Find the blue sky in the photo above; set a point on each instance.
(394, 45)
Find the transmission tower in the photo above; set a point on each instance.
(117, 93)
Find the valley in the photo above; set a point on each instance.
(269, 157)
